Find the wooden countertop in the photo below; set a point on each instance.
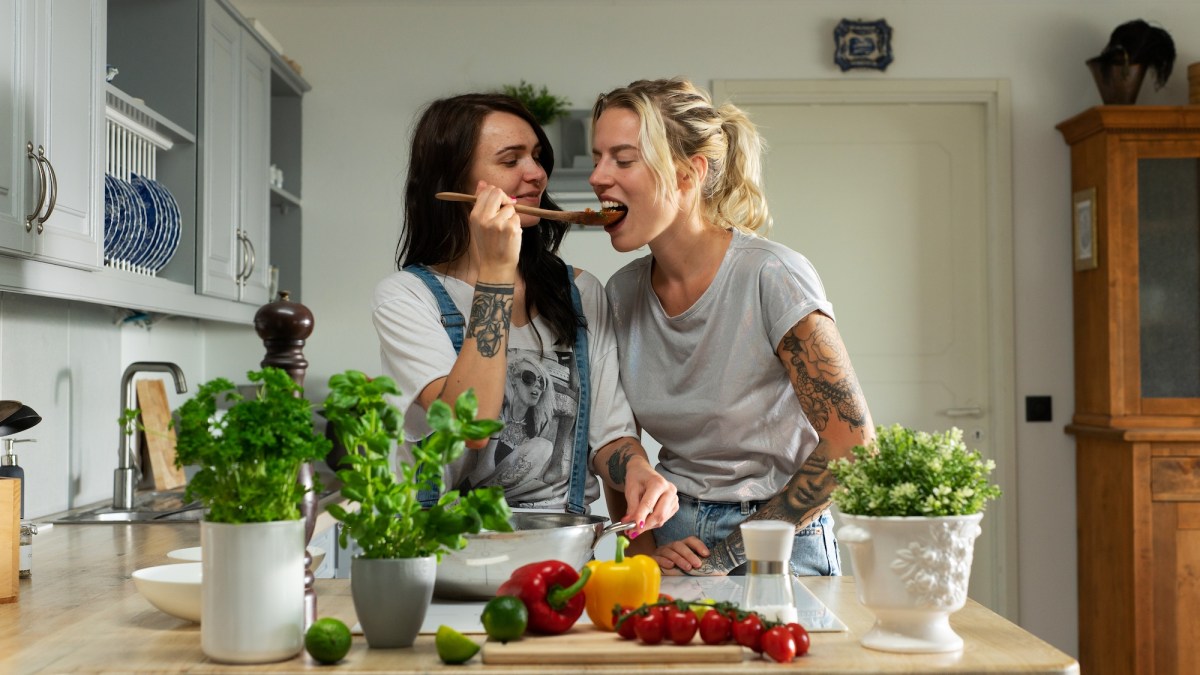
(80, 613)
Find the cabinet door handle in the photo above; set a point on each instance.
(53, 189)
(41, 200)
(253, 257)
(241, 269)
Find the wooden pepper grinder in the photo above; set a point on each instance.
(283, 326)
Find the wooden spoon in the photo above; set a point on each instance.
(588, 217)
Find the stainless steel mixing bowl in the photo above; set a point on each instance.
(489, 559)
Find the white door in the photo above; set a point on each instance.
(890, 201)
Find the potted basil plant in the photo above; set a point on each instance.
(912, 503)
(401, 540)
(252, 535)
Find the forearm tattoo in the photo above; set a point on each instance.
(824, 379)
(618, 462)
(491, 313)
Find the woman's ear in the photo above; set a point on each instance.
(699, 173)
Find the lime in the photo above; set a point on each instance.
(454, 647)
(327, 640)
(505, 617)
(699, 610)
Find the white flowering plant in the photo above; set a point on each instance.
(914, 473)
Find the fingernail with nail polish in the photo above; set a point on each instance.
(641, 524)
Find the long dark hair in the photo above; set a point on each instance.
(435, 231)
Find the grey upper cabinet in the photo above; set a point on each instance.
(236, 135)
(51, 121)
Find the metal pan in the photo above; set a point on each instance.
(490, 558)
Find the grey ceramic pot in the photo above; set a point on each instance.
(391, 596)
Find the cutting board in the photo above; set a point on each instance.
(159, 437)
(586, 644)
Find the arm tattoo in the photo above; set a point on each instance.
(491, 313)
(617, 463)
(824, 380)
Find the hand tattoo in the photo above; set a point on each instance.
(824, 379)
(618, 461)
(491, 313)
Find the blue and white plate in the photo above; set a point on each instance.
(173, 228)
(112, 214)
(147, 248)
(133, 229)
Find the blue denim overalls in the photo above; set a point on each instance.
(455, 325)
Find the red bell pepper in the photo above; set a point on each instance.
(552, 592)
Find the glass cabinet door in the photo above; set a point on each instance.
(1169, 276)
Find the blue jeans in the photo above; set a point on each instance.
(814, 552)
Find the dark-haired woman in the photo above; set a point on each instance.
(481, 287)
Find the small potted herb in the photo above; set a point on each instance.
(545, 107)
(401, 540)
(912, 503)
(252, 535)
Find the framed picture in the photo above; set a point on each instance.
(1083, 216)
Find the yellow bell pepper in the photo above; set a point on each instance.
(632, 582)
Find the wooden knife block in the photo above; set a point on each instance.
(10, 539)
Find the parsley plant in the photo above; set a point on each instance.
(250, 457)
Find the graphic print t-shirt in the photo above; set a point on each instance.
(531, 457)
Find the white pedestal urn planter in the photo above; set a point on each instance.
(252, 591)
(912, 573)
(391, 596)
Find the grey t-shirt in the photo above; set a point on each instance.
(531, 458)
(707, 383)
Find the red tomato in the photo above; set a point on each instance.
(714, 628)
(681, 625)
(663, 597)
(651, 628)
(748, 632)
(801, 637)
(779, 644)
(626, 630)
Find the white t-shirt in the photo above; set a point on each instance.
(531, 458)
(707, 383)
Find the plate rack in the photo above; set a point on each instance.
(134, 135)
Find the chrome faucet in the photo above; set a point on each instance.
(128, 472)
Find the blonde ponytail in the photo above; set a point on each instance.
(678, 122)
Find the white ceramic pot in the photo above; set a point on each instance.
(252, 595)
(912, 573)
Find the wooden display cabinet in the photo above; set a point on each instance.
(1135, 181)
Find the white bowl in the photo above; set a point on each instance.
(174, 589)
(193, 555)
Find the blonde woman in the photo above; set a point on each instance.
(729, 353)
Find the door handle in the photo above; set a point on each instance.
(41, 200)
(241, 270)
(53, 198)
(253, 256)
(971, 411)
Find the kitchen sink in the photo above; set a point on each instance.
(149, 507)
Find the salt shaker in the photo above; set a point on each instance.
(769, 583)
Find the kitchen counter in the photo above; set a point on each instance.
(80, 613)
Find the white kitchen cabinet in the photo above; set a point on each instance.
(236, 132)
(51, 78)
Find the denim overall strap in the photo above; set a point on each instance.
(452, 319)
(579, 459)
(455, 325)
